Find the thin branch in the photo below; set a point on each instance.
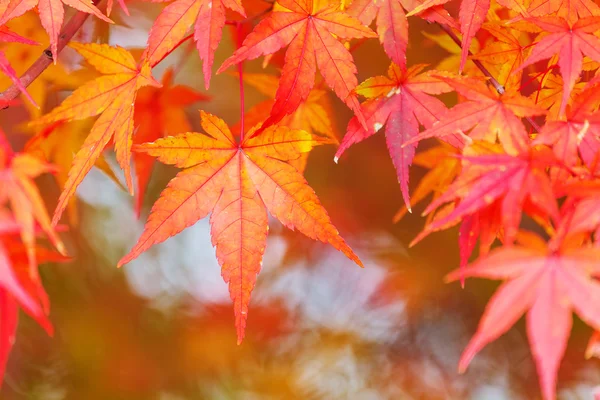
(45, 59)
(499, 88)
(241, 77)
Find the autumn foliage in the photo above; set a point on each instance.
(509, 125)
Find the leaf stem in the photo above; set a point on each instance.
(499, 88)
(240, 66)
(45, 59)
(182, 41)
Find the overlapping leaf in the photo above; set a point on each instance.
(111, 96)
(486, 116)
(18, 289)
(18, 189)
(471, 17)
(173, 23)
(237, 183)
(571, 41)
(510, 179)
(392, 25)
(308, 28)
(401, 102)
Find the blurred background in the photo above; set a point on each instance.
(319, 327)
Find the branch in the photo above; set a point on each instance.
(499, 88)
(45, 59)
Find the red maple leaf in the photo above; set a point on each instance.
(401, 102)
(547, 284)
(502, 177)
(486, 116)
(173, 23)
(571, 41)
(308, 28)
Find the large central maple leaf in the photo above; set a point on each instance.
(309, 28)
(112, 96)
(550, 285)
(238, 183)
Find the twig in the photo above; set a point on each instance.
(499, 88)
(45, 59)
(241, 77)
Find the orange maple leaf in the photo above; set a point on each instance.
(238, 183)
(308, 27)
(52, 14)
(549, 285)
(505, 52)
(112, 96)
(174, 21)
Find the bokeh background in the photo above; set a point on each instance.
(319, 327)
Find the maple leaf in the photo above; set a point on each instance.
(172, 24)
(487, 115)
(308, 27)
(392, 25)
(238, 183)
(547, 284)
(112, 96)
(17, 174)
(52, 14)
(471, 16)
(571, 41)
(497, 176)
(18, 289)
(401, 102)
(159, 112)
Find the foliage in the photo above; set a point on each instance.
(516, 165)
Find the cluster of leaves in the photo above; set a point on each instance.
(516, 164)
